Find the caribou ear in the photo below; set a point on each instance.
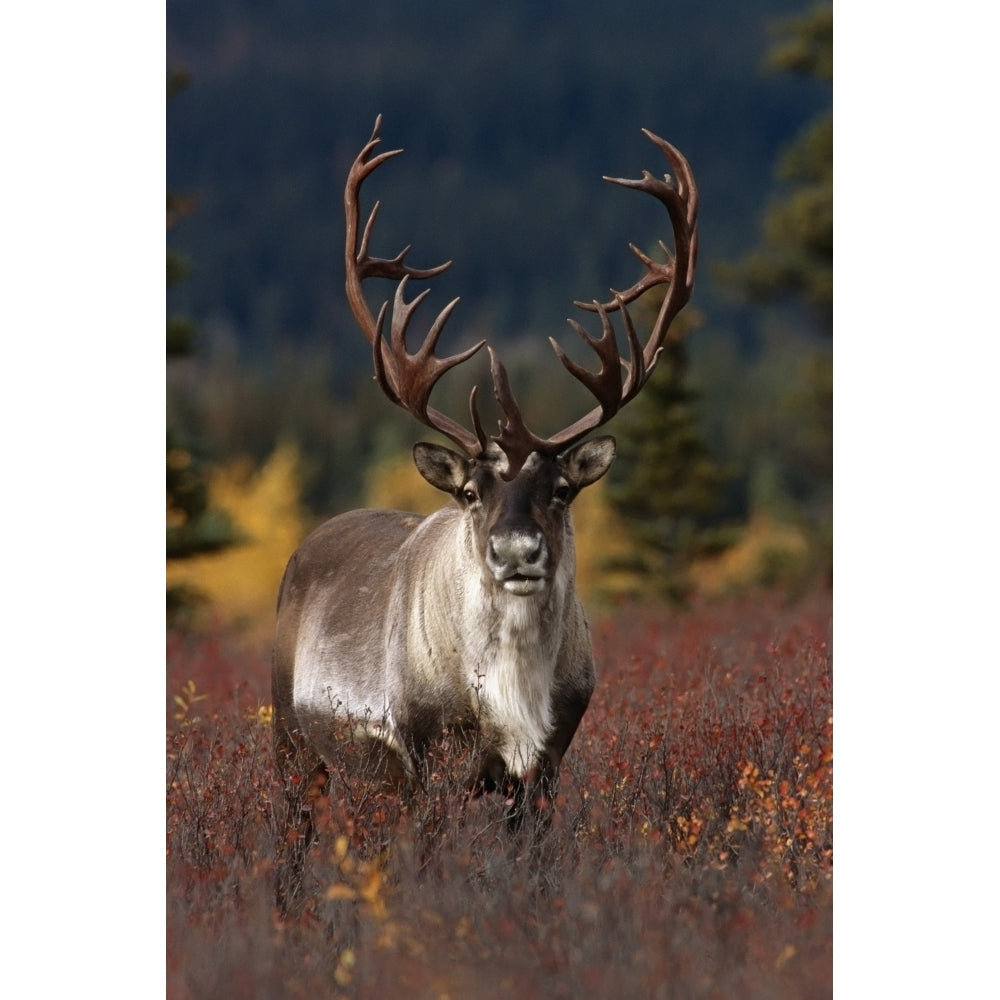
(587, 462)
(441, 467)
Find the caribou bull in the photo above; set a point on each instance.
(399, 627)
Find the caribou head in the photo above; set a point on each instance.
(518, 525)
(399, 627)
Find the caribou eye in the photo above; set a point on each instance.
(561, 493)
(471, 496)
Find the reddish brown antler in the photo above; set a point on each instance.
(407, 379)
(612, 391)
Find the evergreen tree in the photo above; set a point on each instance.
(792, 266)
(665, 485)
(794, 258)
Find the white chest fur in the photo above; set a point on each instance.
(511, 667)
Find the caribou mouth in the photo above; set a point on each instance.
(523, 585)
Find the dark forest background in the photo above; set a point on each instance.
(509, 115)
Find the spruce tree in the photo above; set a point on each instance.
(790, 270)
(666, 485)
(794, 257)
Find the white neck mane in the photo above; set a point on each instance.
(511, 663)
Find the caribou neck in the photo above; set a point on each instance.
(506, 647)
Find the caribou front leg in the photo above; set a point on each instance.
(530, 800)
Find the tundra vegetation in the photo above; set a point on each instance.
(690, 850)
(690, 854)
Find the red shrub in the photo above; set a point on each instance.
(690, 853)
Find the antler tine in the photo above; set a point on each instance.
(359, 264)
(605, 385)
(416, 374)
(395, 267)
(407, 379)
(680, 197)
(514, 438)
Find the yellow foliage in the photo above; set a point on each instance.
(765, 544)
(242, 581)
(600, 537)
(394, 483)
(189, 696)
(360, 880)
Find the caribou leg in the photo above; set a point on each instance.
(304, 778)
(531, 800)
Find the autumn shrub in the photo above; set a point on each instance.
(689, 852)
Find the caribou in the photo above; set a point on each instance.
(396, 628)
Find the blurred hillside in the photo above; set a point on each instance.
(509, 115)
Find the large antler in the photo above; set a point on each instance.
(612, 391)
(407, 379)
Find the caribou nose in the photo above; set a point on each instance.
(516, 553)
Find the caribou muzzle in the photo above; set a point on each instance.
(518, 560)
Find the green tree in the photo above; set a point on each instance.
(794, 258)
(666, 486)
(193, 527)
(791, 267)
